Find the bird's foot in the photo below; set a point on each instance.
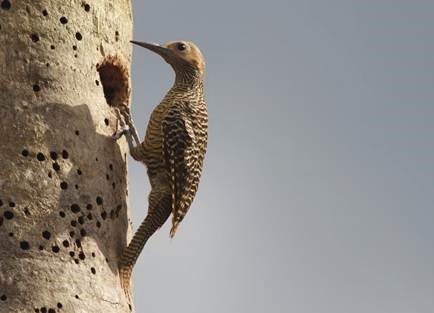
(120, 132)
(127, 127)
(122, 127)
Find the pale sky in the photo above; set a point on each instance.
(317, 193)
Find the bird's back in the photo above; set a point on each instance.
(180, 122)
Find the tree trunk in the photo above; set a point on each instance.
(63, 188)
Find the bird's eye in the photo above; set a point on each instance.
(181, 46)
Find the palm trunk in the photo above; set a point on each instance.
(63, 187)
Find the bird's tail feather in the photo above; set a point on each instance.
(154, 220)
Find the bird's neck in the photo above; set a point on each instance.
(188, 79)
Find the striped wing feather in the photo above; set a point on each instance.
(178, 146)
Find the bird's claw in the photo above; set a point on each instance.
(120, 132)
(127, 128)
(124, 129)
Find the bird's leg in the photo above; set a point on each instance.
(128, 129)
(133, 130)
(128, 119)
(123, 129)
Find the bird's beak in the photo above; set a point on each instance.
(164, 52)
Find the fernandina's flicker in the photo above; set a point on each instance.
(174, 146)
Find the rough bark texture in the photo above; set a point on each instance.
(63, 188)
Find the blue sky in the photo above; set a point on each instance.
(317, 193)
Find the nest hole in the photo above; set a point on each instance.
(99, 200)
(8, 215)
(6, 4)
(46, 234)
(40, 156)
(75, 208)
(24, 245)
(34, 37)
(53, 155)
(114, 78)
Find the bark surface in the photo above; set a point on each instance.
(63, 188)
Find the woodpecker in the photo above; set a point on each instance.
(174, 146)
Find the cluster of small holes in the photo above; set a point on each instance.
(6, 5)
(48, 310)
(83, 213)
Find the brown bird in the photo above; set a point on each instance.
(174, 146)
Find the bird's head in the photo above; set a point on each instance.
(184, 56)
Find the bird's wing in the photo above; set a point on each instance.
(179, 144)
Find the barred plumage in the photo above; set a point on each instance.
(174, 147)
